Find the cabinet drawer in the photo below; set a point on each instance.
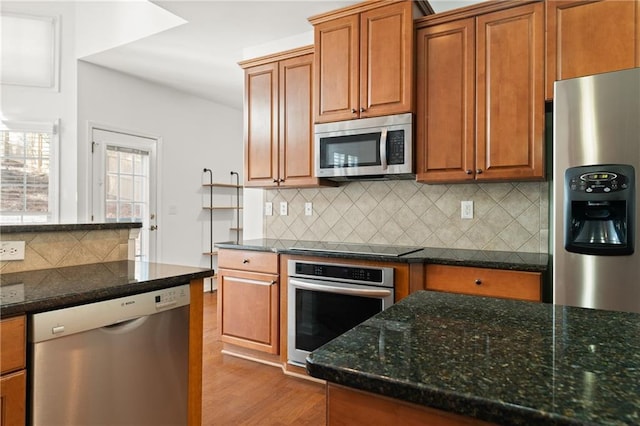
(485, 282)
(12, 343)
(246, 260)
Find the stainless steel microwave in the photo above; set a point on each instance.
(376, 147)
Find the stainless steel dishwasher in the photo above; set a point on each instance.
(118, 362)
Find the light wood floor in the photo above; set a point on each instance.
(241, 392)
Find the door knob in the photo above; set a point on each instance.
(153, 228)
(479, 171)
(362, 109)
(468, 171)
(353, 111)
(478, 281)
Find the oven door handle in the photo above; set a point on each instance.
(327, 288)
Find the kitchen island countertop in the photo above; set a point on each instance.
(48, 289)
(503, 361)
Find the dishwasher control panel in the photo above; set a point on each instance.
(171, 297)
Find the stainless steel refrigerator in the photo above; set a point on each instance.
(596, 252)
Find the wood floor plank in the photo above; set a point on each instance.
(241, 392)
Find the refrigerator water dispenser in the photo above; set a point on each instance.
(599, 209)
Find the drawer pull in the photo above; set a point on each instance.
(245, 260)
(478, 281)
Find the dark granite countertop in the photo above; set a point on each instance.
(532, 262)
(504, 361)
(67, 227)
(47, 289)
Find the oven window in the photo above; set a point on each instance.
(321, 317)
(350, 151)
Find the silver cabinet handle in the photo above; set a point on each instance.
(153, 228)
(468, 171)
(245, 260)
(479, 171)
(478, 281)
(249, 281)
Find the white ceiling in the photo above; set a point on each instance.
(201, 56)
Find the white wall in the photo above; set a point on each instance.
(47, 105)
(196, 134)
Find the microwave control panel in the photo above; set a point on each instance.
(395, 147)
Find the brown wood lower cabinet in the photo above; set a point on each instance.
(248, 301)
(347, 406)
(13, 383)
(484, 282)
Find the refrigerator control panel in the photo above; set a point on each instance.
(599, 182)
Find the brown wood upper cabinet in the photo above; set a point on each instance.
(278, 128)
(480, 93)
(364, 61)
(591, 37)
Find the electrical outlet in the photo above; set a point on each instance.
(283, 208)
(466, 209)
(12, 293)
(308, 209)
(11, 250)
(268, 208)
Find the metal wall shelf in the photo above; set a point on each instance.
(213, 252)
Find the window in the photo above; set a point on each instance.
(28, 179)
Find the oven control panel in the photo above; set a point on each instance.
(348, 273)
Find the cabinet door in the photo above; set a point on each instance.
(591, 37)
(510, 94)
(248, 309)
(296, 122)
(445, 102)
(261, 126)
(13, 395)
(386, 60)
(336, 71)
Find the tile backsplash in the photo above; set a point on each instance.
(44, 250)
(507, 216)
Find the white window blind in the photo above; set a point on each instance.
(29, 50)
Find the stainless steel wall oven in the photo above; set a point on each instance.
(327, 299)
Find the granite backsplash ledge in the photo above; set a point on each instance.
(507, 216)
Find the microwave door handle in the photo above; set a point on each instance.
(383, 149)
(307, 285)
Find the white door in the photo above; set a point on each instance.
(124, 174)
